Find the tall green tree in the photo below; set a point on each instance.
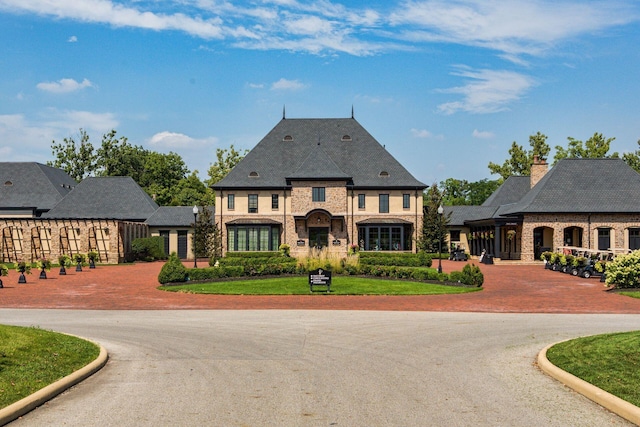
(116, 157)
(434, 226)
(206, 237)
(456, 192)
(192, 191)
(596, 147)
(520, 160)
(633, 159)
(226, 159)
(78, 159)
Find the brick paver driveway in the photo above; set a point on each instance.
(508, 288)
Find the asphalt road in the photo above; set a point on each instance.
(320, 368)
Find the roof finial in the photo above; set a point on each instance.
(283, 112)
(352, 111)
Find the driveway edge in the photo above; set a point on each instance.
(29, 403)
(613, 403)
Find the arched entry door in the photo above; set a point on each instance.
(542, 241)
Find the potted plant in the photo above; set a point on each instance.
(79, 259)
(23, 267)
(93, 256)
(64, 261)
(4, 270)
(44, 265)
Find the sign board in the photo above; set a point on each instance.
(336, 242)
(300, 242)
(320, 277)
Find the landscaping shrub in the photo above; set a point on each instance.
(215, 272)
(472, 276)
(624, 271)
(148, 248)
(263, 254)
(172, 270)
(421, 259)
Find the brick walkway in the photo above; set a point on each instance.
(507, 288)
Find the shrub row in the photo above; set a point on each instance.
(421, 259)
(148, 248)
(252, 254)
(253, 262)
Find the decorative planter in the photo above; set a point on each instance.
(43, 274)
(79, 267)
(92, 263)
(63, 271)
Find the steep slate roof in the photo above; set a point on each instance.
(173, 216)
(32, 185)
(360, 157)
(116, 197)
(512, 190)
(583, 186)
(460, 214)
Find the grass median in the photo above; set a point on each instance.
(341, 285)
(610, 362)
(32, 358)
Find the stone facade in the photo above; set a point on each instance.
(29, 239)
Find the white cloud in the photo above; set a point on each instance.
(512, 27)
(486, 91)
(482, 134)
(64, 86)
(284, 84)
(255, 85)
(421, 133)
(72, 120)
(179, 140)
(72, 39)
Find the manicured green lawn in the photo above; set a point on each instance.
(340, 285)
(632, 294)
(610, 362)
(31, 359)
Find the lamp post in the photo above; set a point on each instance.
(440, 212)
(195, 227)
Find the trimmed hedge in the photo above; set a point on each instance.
(421, 259)
(148, 248)
(173, 270)
(263, 254)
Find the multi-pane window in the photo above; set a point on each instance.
(361, 201)
(317, 194)
(406, 201)
(384, 203)
(253, 203)
(231, 202)
(275, 201)
(253, 238)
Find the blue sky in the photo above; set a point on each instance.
(446, 86)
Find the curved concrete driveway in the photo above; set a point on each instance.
(320, 368)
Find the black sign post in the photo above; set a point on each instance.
(320, 277)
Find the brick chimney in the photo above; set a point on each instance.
(538, 169)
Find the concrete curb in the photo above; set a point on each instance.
(613, 403)
(41, 396)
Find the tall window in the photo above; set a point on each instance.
(253, 203)
(406, 201)
(253, 238)
(275, 202)
(361, 201)
(317, 194)
(384, 203)
(231, 201)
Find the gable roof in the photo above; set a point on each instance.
(583, 186)
(174, 216)
(463, 213)
(344, 150)
(32, 185)
(114, 197)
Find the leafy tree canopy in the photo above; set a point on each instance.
(226, 160)
(457, 192)
(520, 160)
(596, 147)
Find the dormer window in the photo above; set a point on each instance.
(346, 137)
(253, 174)
(287, 138)
(384, 174)
(8, 183)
